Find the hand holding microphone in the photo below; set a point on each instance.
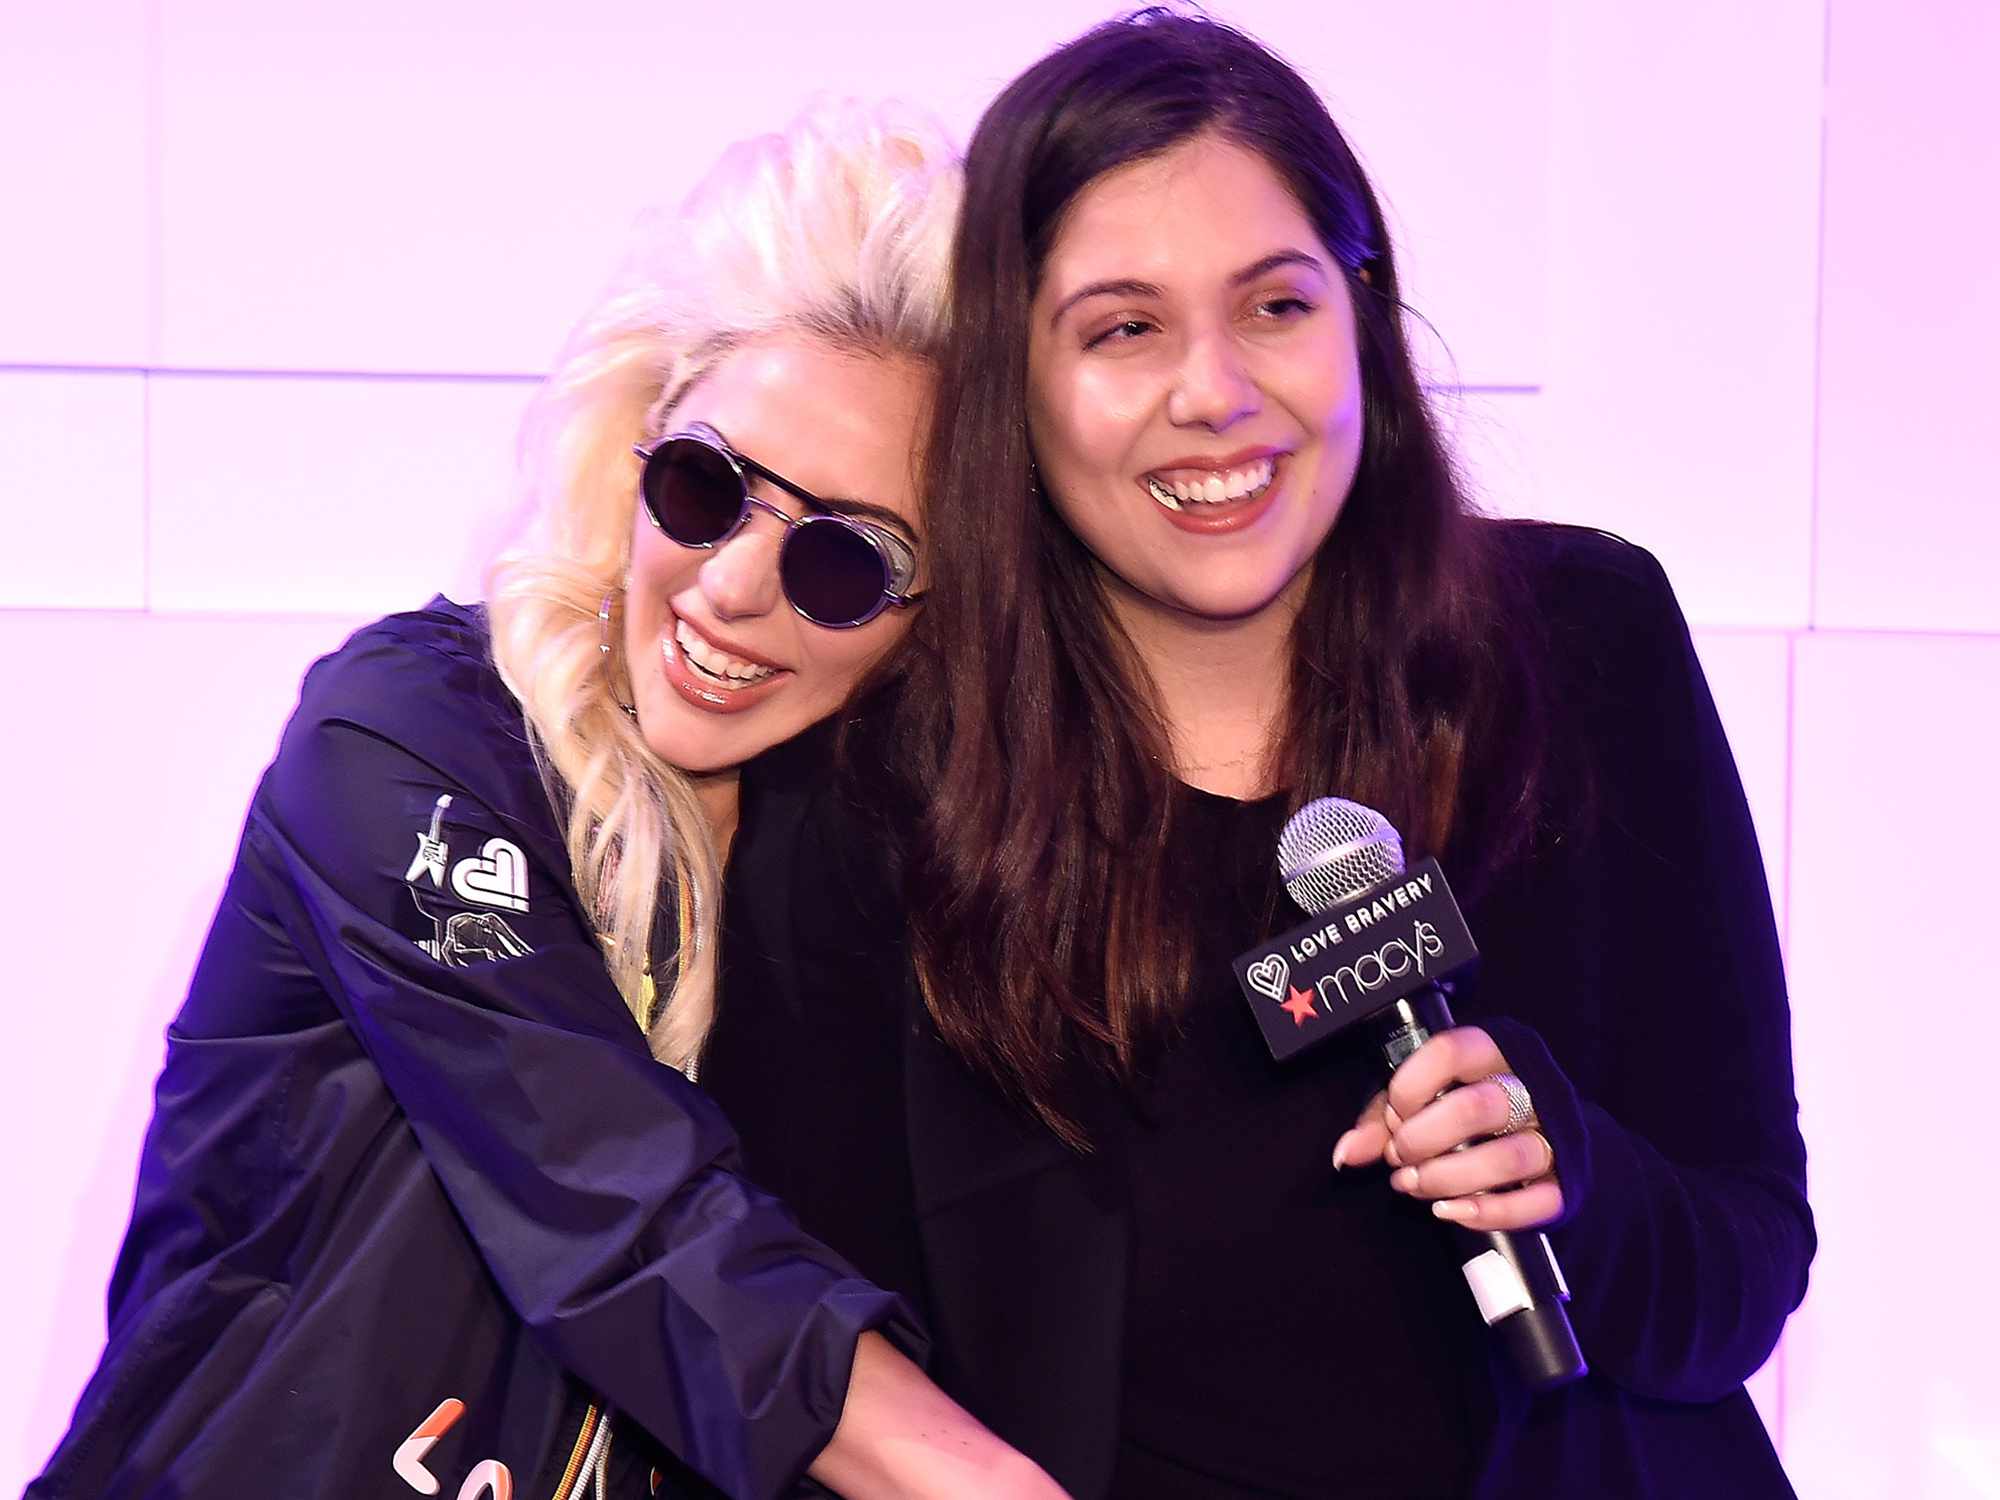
(1379, 941)
(1459, 1130)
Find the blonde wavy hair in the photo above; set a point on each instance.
(838, 229)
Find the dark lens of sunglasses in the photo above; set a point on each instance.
(693, 493)
(832, 572)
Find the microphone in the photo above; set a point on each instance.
(1378, 950)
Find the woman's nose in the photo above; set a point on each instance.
(740, 580)
(1212, 388)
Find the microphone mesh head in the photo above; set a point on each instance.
(1332, 849)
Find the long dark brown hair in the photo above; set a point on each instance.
(1031, 742)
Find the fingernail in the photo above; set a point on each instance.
(1404, 1179)
(1391, 1155)
(1452, 1208)
(1340, 1150)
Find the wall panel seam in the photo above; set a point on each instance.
(1819, 318)
(155, 170)
(146, 493)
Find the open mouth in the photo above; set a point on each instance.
(1196, 489)
(710, 664)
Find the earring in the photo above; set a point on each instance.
(604, 651)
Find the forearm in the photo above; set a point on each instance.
(1682, 1277)
(1682, 1272)
(899, 1435)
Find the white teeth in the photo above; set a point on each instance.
(1212, 488)
(713, 662)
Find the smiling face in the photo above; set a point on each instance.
(722, 667)
(1194, 392)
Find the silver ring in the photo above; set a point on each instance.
(1520, 1108)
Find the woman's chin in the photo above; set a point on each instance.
(701, 748)
(1217, 603)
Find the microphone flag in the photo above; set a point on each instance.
(1354, 959)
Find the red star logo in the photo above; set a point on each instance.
(1300, 1006)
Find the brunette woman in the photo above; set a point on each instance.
(1199, 557)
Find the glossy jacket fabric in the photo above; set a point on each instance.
(1629, 972)
(408, 1147)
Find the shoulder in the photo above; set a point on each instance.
(1601, 605)
(408, 671)
(407, 788)
(1580, 569)
(423, 686)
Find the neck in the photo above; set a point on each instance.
(720, 795)
(1221, 685)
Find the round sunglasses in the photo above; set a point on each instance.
(836, 570)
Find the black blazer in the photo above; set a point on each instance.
(1629, 972)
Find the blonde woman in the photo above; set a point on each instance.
(426, 1199)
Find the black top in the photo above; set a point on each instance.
(1289, 1330)
(1629, 972)
(408, 1146)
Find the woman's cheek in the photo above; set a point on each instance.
(836, 668)
(1112, 400)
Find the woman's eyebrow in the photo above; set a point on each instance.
(863, 510)
(1121, 288)
(1274, 260)
(1130, 287)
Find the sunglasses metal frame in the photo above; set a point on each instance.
(899, 560)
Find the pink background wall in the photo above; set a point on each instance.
(275, 282)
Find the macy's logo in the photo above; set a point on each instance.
(1392, 960)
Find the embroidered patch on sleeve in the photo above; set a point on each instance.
(432, 851)
(496, 876)
(462, 908)
(467, 937)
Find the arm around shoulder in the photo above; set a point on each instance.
(428, 893)
(899, 1435)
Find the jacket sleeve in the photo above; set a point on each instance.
(1686, 1234)
(598, 1183)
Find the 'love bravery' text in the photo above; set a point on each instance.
(1381, 905)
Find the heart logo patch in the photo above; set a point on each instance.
(1268, 976)
(496, 876)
